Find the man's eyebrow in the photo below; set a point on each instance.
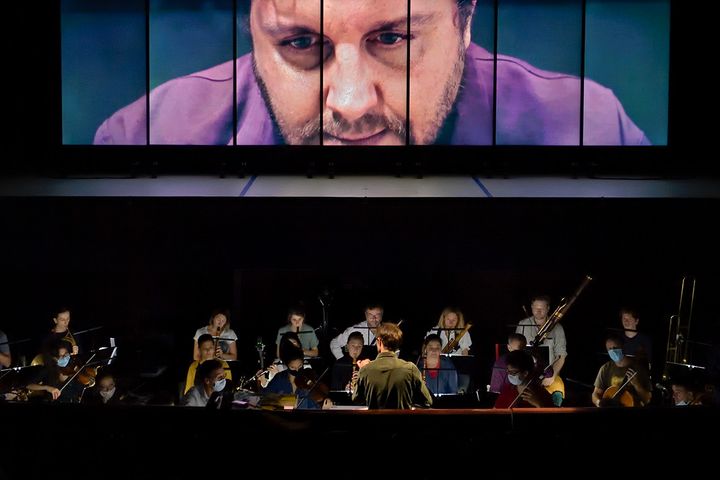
(280, 30)
(401, 22)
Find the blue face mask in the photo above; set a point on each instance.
(219, 385)
(514, 379)
(63, 361)
(616, 354)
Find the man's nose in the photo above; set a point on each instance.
(352, 91)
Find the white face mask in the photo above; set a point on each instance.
(219, 385)
(681, 403)
(107, 394)
(514, 379)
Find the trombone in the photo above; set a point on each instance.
(676, 350)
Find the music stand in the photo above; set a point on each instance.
(465, 366)
(17, 377)
(368, 352)
(340, 397)
(541, 353)
(104, 356)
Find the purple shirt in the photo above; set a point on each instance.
(535, 107)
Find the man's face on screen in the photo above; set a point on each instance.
(363, 53)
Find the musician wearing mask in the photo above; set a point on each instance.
(206, 344)
(554, 341)
(286, 382)
(55, 375)
(306, 333)
(515, 341)
(523, 388)
(683, 393)
(368, 328)
(439, 372)
(346, 367)
(387, 381)
(105, 391)
(210, 378)
(622, 380)
(453, 332)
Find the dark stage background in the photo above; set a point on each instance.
(150, 270)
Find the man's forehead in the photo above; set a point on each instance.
(342, 16)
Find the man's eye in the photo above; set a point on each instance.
(301, 43)
(389, 38)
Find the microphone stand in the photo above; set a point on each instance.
(325, 300)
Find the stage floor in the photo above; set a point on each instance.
(362, 186)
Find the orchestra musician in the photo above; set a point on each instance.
(516, 341)
(225, 337)
(55, 375)
(287, 382)
(373, 318)
(61, 332)
(289, 341)
(210, 378)
(439, 372)
(105, 391)
(306, 333)
(452, 329)
(555, 342)
(346, 367)
(208, 351)
(636, 344)
(524, 386)
(622, 380)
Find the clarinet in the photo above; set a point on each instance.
(353, 378)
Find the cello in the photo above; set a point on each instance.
(617, 395)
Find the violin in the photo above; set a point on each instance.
(306, 379)
(85, 375)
